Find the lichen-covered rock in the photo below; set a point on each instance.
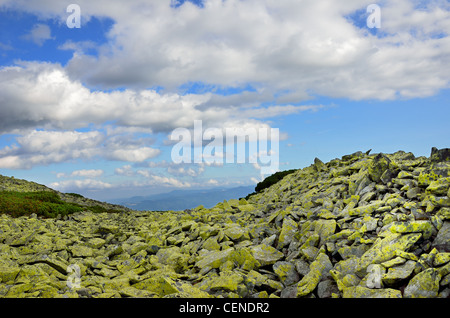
(439, 187)
(236, 233)
(266, 255)
(438, 155)
(396, 274)
(214, 259)
(378, 166)
(324, 228)
(319, 268)
(363, 292)
(173, 257)
(360, 226)
(424, 227)
(81, 251)
(423, 285)
(385, 249)
(8, 274)
(286, 272)
(442, 240)
(287, 232)
(227, 281)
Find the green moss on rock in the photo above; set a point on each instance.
(361, 226)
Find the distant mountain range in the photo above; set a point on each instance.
(184, 199)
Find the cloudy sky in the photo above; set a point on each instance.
(91, 109)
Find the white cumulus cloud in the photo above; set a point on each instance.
(92, 173)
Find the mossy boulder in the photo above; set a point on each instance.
(378, 166)
(286, 272)
(214, 259)
(423, 285)
(288, 230)
(364, 292)
(318, 269)
(360, 226)
(385, 249)
(399, 273)
(266, 254)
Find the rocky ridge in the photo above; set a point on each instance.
(360, 226)
(13, 184)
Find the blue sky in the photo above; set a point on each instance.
(90, 109)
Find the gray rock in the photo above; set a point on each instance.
(286, 272)
(378, 166)
(266, 255)
(326, 288)
(423, 285)
(302, 267)
(289, 292)
(439, 155)
(442, 240)
(398, 273)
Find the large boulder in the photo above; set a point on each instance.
(438, 155)
(423, 285)
(378, 166)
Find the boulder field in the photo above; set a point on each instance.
(360, 226)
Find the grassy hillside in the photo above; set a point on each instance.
(41, 203)
(21, 197)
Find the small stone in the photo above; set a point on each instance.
(441, 259)
(302, 267)
(398, 273)
(326, 289)
(287, 233)
(214, 259)
(413, 193)
(96, 243)
(81, 251)
(439, 187)
(319, 268)
(378, 166)
(266, 255)
(286, 272)
(227, 281)
(442, 240)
